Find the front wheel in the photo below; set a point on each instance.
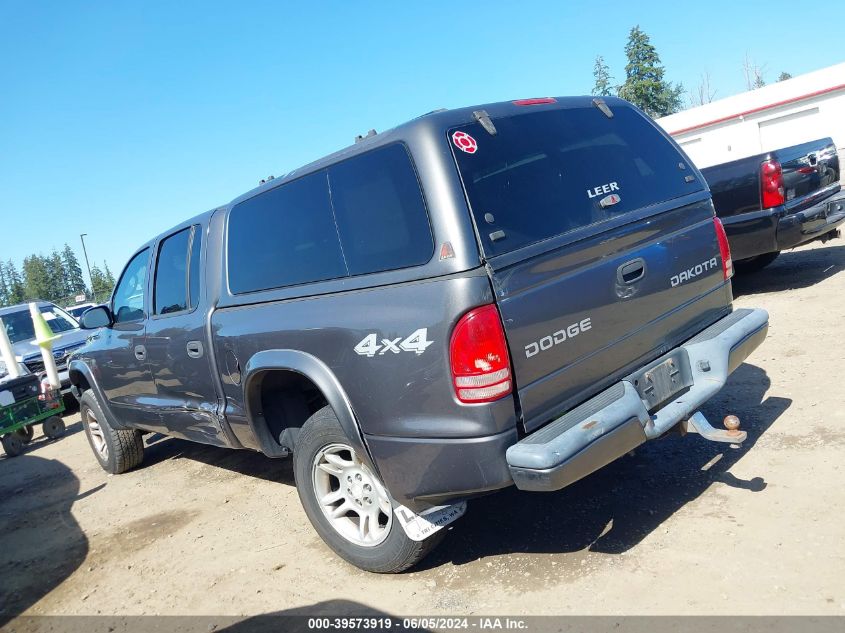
(53, 427)
(347, 503)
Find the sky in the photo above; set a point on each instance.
(120, 119)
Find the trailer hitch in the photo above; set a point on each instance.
(731, 434)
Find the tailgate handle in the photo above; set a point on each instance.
(631, 272)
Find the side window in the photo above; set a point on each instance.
(194, 267)
(283, 237)
(380, 212)
(128, 302)
(171, 276)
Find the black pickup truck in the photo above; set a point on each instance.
(777, 200)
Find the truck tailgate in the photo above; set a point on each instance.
(600, 241)
(573, 323)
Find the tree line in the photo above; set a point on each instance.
(56, 277)
(646, 87)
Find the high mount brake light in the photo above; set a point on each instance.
(479, 357)
(724, 249)
(535, 101)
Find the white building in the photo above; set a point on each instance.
(785, 113)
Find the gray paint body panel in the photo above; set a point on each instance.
(399, 408)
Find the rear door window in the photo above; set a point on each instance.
(194, 267)
(284, 237)
(171, 277)
(546, 173)
(380, 212)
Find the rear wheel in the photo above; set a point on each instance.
(12, 444)
(347, 503)
(117, 450)
(753, 264)
(26, 434)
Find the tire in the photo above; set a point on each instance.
(53, 427)
(385, 548)
(26, 434)
(753, 264)
(116, 450)
(12, 444)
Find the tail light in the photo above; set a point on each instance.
(724, 249)
(481, 366)
(771, 184)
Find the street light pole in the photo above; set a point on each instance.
(88, 266)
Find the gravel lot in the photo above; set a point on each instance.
(684, 526)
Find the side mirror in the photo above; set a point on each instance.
(96, 317)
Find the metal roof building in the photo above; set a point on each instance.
(803, 108)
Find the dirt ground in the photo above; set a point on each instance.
(684, 526)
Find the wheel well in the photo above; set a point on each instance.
(281, 402)
(78, 378)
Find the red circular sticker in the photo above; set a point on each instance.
(464, 142)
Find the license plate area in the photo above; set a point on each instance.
(664, 380)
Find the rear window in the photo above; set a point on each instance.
(381, 216)
(363, 215)
(546, 173)
(283, 237)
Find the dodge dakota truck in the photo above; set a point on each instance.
(512, 294)
(777, 200)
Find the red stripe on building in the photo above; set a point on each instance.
(809, 95)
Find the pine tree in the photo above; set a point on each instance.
(784, 76)
(601, 72)
(109, 277)
(644, 84)
(4, 286)
(36, 275)
(99, 284)
(73, 272)
(58, 281)
(17, 291)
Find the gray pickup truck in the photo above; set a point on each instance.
(510, 294)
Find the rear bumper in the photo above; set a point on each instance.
(617, 420)
(805, 226)
(778, 229)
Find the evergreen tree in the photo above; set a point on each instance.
(100, 286)
(4, 286)
(73, 272)
(36, 275)
(601, 72)
(58, 281)
(17, 290)
(644, 84)
(109, 277)
(784, 76)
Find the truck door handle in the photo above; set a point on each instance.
(631, 272)
(194, 349)
(140, 352)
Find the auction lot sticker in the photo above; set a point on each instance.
(419, 527)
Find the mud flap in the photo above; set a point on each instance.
(419, 527)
